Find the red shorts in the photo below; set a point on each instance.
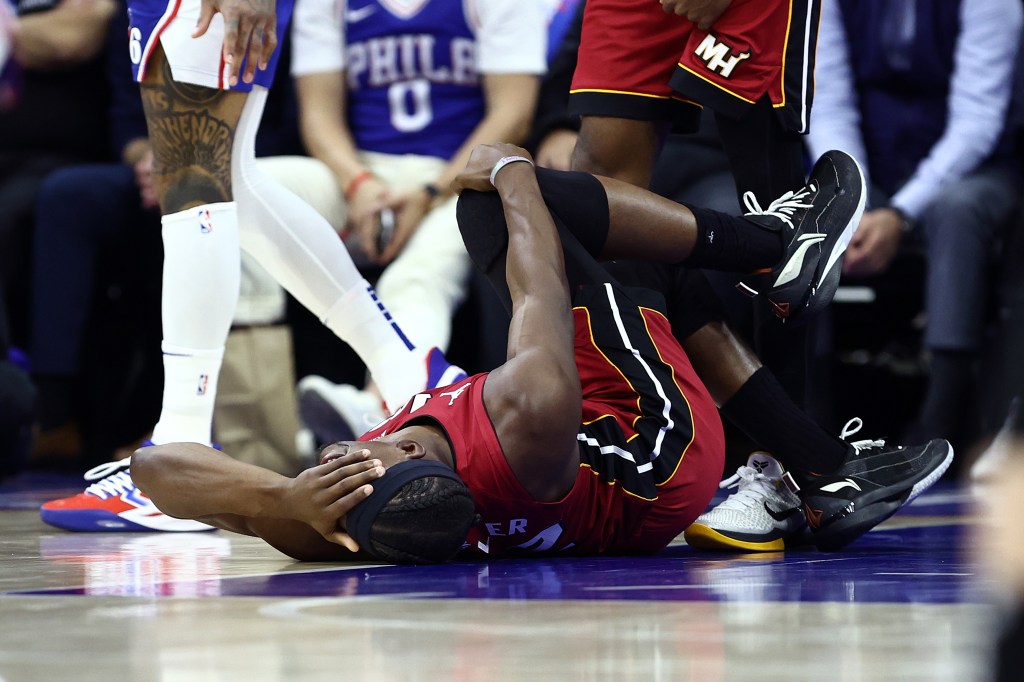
(636, 61)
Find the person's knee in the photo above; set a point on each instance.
(481, 219)
(618, 148)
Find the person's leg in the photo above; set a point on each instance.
(960, 228)
(766, 161)
(425, 284)
(304, 254)
(620, 148)
(79, 209)
(192, 130)
(628, 51)
(889, 476)
(748, 394)
(637, 224)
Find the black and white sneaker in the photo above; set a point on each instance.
(874, 482)
(817, 222)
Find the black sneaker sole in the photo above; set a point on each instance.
(842, 531)
(828, 280)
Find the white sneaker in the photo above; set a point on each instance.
(761, 516)
(336, 412)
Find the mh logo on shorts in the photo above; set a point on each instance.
(201, 386)
(205, 221)
(719, 56)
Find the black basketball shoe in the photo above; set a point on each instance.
(817, 222)
(872, 484)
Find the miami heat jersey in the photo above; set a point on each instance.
(651, 445)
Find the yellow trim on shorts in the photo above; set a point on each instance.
(711, 82)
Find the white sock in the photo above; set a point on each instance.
(398, 366)
(200, 291)
(190, 389)
(304, 254)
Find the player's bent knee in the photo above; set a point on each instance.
(481, 219)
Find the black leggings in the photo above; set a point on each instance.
(579, 209)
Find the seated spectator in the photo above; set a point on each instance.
(921, 97)
(58, 118)
(390, 108)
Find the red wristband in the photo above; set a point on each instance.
(354, 183)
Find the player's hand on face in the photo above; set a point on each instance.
(409, 209)
(250, 29)
(364, 208)
(874, 244)
(322, 495)
(477, 174)
(703, 13)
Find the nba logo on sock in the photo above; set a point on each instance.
(201, 387)
(205, 222)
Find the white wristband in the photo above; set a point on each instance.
(504, 161)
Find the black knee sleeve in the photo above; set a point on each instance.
(481, 219)
(579, 200)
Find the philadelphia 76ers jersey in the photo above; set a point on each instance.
(413, 68)
(197, 61)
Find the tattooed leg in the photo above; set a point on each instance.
(192, 130)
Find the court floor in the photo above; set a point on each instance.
(906, 602)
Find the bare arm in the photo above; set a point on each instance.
(188, 480)
(534, 398)
(71, 33)
(322, 104)
(510, 99)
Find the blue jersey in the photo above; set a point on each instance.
(412, 76)
(193, 60)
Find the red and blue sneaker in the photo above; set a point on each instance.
(113, 504)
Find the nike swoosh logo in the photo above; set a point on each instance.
(796, 263)
(781, 515)
(354, 16)
(839, 485)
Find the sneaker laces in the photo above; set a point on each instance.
(112, 478)
(753, 487)
(782, 208)
(852, 427)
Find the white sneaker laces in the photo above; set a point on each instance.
(753, 488)
(108, 483)
(852, 427)
(782, 208)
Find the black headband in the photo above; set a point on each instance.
(361, 518)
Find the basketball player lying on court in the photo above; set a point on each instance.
(596, 435)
